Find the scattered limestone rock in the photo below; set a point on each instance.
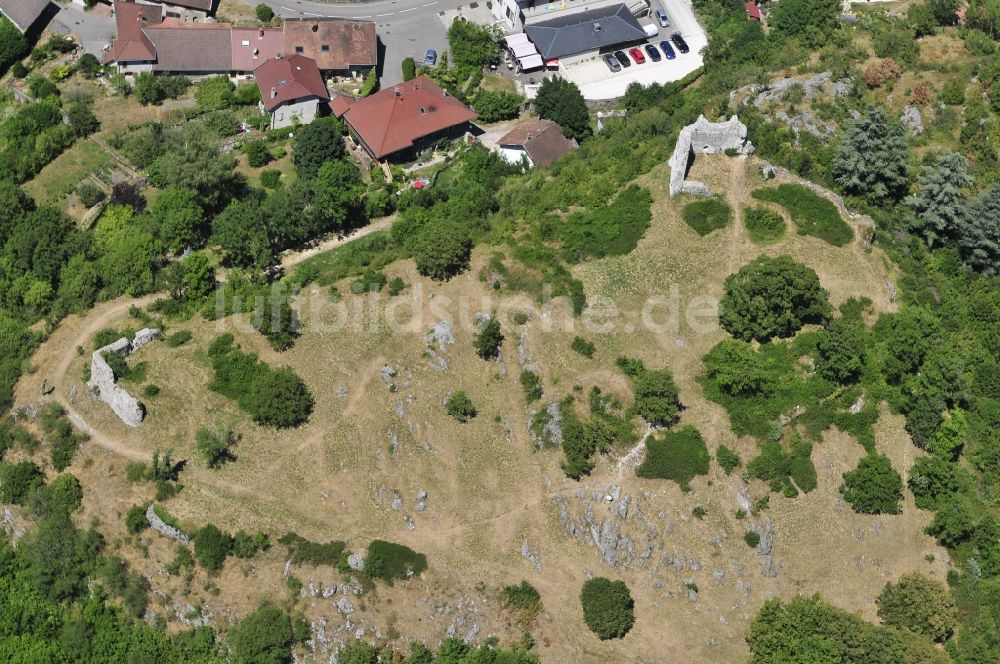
(388, 373)
(912, 119)
(344, 606)
(341, 391)
(356, 561)
(533, 556)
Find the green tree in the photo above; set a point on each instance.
(656, 397)
(918, 604)
(88, 65)
(370, 85)
(177, 218)
(442, 250)
(277, 321)
(19, 481)
(81, 119)
(460, 406)
(871, 158)
(979, 237)
(562, 102)
(951, 436)
(472, 44)
(874, 487)
(358, 652)
(939, 204)
(197, 276)
(62, 496)
(488, 340)
(211, 546)
(279, 399)
(214, 447)
(315, 144)
(263, 637)
(215, 93)
(258, 155)
(841, 351)
(409, 69)
(497, 105)
(147, 89)
(264, 13)
(932, 478)
(126, 263)
(337, 194)
(58, 557)
(811, 21)
(944, 11)
(607, 607)
(772, 297)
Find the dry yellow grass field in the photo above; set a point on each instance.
(489, 491)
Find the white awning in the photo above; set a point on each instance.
(524, 50)
(530, 62)
(519, 38)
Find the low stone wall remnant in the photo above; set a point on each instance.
(102, 379)
(704, 137)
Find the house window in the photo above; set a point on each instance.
(299, 49)
(325, 48)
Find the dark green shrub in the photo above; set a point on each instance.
(532, 385)
(751, 538)
(583, 347)
(270, 179)
(19, 481)
(920, 605)
(656, 397)
(302, 551)
(395, 286)
(211, 546)
(487, 342)
(246, 545)
(150, 390)
(607, 230)
(874, 487)
(677, 455)
(263, 637)
(409, 69)
(812, 214)
(523, 600)
(135, 519)
(607, 607)
(707, 215)
(763, 225)
(90, 194)
(257, 154)
(460, 406)
(372, 281)
(727, 459)
(178, 338)
(390, 562)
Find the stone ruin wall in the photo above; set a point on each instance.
(102, 379)
(704, 137)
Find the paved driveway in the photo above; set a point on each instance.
(93, 29)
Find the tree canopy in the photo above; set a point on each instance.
(562, 102)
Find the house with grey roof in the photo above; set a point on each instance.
(580, 35)
(25, 13)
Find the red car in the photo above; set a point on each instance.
(637, 55)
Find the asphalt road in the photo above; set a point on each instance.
(405, 27)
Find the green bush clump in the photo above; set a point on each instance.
(656, 397)
(272, 397)
(178, 338)
(751, 538)
(532, 385)
(727, 459)
(677, 455)
(608, 230)
(301, 550)
(211, 546)
(920, 605)
(764, 226)
(780, 468)
(390, 562)
(812, 214)
(135, 519)
(270, 179)
(608, 608)
(460, 406)
(487, 342)
(19, 481)
(874, 487)
(523, 600)
(707, 215)
(583, 347)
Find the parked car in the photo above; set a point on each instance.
(430, 58)
(668, 50)
(637, 55)
(622, 59)
(682, 45)
(612, 63)
(661, 17)
(654, 55)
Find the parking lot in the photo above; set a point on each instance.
(597, 82)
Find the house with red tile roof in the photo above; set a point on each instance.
(339, 46)
(753, 11)
(540, 142)
(291, 90)
(397, 123)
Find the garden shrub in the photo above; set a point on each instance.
(707, 215)
(920, 605)
(303, 551)
(812, 214)
(608, 609)
(763, 225)
(677, 455)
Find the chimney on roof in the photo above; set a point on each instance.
(274, 92)
(315, 27)
(398, 91)
(260, 33)
(597, 26)
(423, 111)
(444, 93)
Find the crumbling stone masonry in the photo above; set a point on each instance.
(704, 137)
(102, 378)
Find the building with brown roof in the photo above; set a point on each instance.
(189, 50)
(397, 123)
(338, 45)
(24, 13)
(291, 90)
(540, 142)
(252, 47)
(132, 49)
(187, 8)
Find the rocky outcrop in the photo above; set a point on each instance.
(165, 529)
(704, 137)
(102, 378)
